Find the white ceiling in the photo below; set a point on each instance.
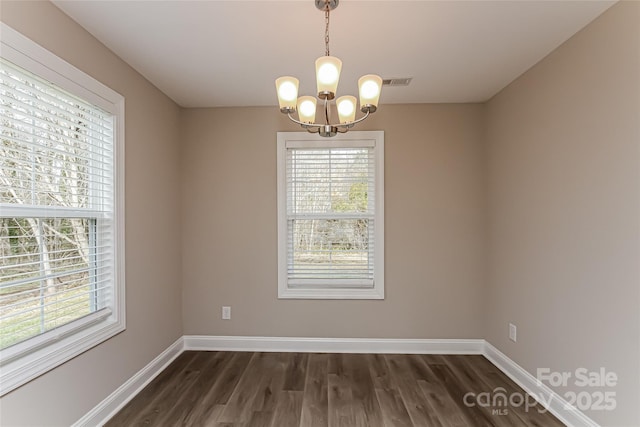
(228, 53)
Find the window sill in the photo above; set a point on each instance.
(324, 293)
(15, 372)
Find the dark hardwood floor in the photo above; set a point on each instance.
(233, 389)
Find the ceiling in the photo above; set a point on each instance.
(228, 53)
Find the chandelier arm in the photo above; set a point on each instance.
(303, 124)
(346, 126)
(353, 123)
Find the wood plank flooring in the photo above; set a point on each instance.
(242, 389)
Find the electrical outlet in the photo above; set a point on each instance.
(226, 313)
(512, 332)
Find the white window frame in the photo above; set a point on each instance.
(346, 140)
(27, 360)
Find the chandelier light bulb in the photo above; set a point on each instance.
(288, 91)
(327, 73)
(369, 89)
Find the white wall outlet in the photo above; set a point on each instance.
(512, 332)
(226, 312)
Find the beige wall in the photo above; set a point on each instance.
(564, 210)
(63, 395)
(434, 216)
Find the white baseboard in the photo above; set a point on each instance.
(555, 403)
(106, 409)
(334, 345)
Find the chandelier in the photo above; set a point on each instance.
(327, 75)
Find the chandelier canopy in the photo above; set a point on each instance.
(327, 76)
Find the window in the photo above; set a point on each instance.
(330, 216)
(61, 194)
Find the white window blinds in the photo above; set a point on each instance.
(330, 216)
(56, 207)
(330, 209)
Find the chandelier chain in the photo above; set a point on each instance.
(326, 31)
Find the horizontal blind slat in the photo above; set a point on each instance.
(95, 154)
(92, 288)
(13, 75)
(56, 93)
(37, 140)
(20, 279)
(48, 128)
(19, 104)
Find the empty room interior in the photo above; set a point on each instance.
(449, 237)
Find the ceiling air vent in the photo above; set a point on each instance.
(403, 81)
